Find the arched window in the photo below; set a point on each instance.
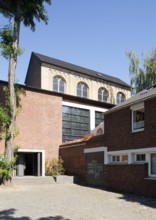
(99, 131)
(102, 95)
(58, 84)
(120, 97)
(82, 90)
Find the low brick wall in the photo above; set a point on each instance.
(122, 178)
(130, 178)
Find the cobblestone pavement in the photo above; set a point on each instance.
(72, 202)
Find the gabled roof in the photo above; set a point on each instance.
(79, 69)
(145, 94)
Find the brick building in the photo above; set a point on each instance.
(62, 102)
(124, 158)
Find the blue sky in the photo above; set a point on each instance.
(89, 33)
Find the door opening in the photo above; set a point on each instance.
(29, 164)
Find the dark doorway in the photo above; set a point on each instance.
(29, 164)
(95, 169)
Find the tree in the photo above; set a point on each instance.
(17, 11)
(142, 75)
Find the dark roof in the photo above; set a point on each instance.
(85, 71)
(145, 94)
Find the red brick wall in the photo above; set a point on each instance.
(130, 178)
(39, 123)
(75, 159)
(118, 133)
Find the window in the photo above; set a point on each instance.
(99, 117)
(140, 157)
(58, 84)
(119, 158)
(116, 158)
(120, 98)
(102, 95)
(82, 90)
(75, 122)
(99, 131)
(153, 164)
(138, 119)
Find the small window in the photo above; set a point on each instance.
(124, 158)
(102, 95)
(116, 158)
(120, 98)
(153, 164)
(82, 90)
(140, 157)
(99, 131)
(58, 84)
(120, 158)
(138, 119)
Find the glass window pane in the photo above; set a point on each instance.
(138, 119)
(75, 121)
(99, 117)
(82, 90)
(120, 97)
(153, 164)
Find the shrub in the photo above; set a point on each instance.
(54, 167)
(6, 169)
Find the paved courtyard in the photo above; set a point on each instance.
(71, 202)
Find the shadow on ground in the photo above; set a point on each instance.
(8, 215)
(142, 200)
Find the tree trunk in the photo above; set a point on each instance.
(9, 142)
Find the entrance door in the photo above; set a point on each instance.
(95, 170)
(29, 164)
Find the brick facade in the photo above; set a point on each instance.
(39, 122)
(130, 178)
(133, 177)
(118, 124)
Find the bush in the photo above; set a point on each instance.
(54, 167)
(6, 169)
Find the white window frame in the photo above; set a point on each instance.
(92, 110)
(140, 161)
(120, 159)
(135, 108)
(150, 173)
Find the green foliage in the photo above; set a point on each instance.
(29, 11)
(6, 35)
(54, 167)
(6, 169)
(6, 42)
(143, 74)
(6, 109)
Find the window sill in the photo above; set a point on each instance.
(150, 178)
(138, 130)
(118, 163)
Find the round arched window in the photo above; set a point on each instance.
(58, 84)
(120, 97)
(102, 95)
(82, 90)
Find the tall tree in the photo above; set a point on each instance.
(142, 75)
(17, 11)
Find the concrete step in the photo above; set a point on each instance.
(32, 180)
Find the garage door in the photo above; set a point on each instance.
(95, 170)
